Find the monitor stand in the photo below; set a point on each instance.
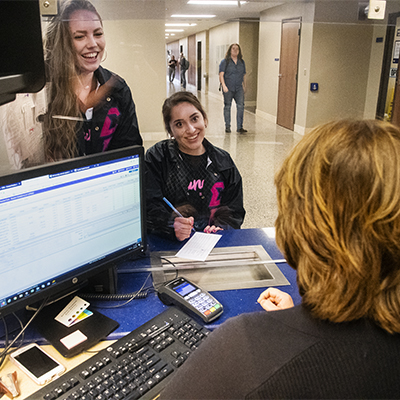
(90, 330)
(105, 282)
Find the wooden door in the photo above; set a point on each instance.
(288, 67)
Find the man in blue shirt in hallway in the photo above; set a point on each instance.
(232, 75)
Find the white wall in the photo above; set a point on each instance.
(135, 50)
(340, 65)
(268, 69)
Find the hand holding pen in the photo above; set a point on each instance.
(183, 226)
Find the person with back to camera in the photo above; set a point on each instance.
(232, 76)
(199, 179)
(184, 66)
(90, 109)
(338, 225)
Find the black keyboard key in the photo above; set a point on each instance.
(136, 366)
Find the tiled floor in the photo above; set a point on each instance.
(258, 154)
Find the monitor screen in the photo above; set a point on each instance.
(64, 222)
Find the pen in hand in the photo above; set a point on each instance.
(175, 210)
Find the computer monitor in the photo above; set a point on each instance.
(22, 67)
(64, 222)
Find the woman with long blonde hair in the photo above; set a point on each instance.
(90, 109)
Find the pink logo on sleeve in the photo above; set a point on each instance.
(109, 127)
(216, 194)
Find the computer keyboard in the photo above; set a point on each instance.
(136, 366)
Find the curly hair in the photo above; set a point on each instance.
(174, 100)
(339, 220)
(228, 52)
(62, 69)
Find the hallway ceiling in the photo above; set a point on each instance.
(163, 9)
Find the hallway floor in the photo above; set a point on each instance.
(258, 154)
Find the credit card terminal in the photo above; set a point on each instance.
(191, 298)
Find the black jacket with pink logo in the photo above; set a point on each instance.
(210, 190)
(114, 122)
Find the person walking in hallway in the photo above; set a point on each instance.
(184, 64)
(232, 75)
(171, 68)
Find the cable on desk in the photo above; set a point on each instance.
(7, 345)
(131, 297)
(176, 272)
(140, 294)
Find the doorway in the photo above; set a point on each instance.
(388, 106)
(199, 73)
(288, 68)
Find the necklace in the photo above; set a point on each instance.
(85, 87)
(83, 90)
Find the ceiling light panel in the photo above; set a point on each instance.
(191, 16)
(181, 24)
(216, 2)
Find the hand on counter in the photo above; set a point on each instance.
(274, 299)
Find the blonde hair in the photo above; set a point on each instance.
(339, 221)
(60, 139)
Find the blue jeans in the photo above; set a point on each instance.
(183, 78)
(171, 73)
(238, 96)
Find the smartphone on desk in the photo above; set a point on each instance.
(37, 364)
(191, 298)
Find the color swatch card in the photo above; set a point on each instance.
(74, 312)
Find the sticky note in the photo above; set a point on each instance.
(73, 339)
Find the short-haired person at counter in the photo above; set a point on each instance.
(197, 178)
(338, 225)
(90, 109)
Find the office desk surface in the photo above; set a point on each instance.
(235, 302)
(135, 313)
(130, 315)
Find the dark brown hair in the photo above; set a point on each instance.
(228, 52)
(174, 100)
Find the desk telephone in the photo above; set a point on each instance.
(191, 298)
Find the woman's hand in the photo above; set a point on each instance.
(274, 299)
(183, 227)
(212, 229)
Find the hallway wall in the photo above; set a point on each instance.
(136, 51)
(341, 68)
(337, 51)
